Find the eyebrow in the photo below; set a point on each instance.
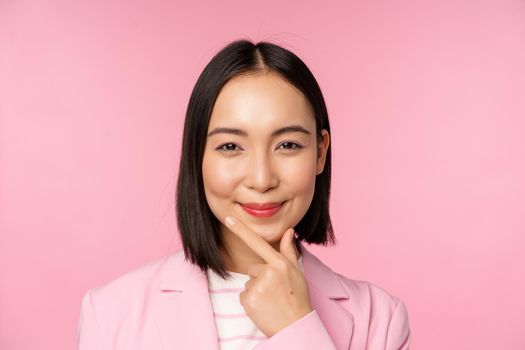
(286, 129)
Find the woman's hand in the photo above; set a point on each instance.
(277, 293)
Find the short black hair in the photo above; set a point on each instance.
(198, 226)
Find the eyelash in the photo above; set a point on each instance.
(297, 146)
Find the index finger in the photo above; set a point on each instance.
(252, 240)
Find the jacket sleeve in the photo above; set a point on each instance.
(399, 336)
(306, 333)
(88, 330)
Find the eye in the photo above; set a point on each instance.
(291, 145)
(230, 148)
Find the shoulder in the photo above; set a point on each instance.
(114, 314)
(130, 288)
(365, 291)
(380, 316)
(337, 286)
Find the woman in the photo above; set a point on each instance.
(254, 183)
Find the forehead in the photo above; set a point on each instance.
(261, 101)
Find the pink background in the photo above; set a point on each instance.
(426, 102)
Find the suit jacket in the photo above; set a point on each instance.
(165, 305)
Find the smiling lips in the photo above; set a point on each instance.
(261, 209)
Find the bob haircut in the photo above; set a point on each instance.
(198, 226)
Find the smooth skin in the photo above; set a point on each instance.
(257, 167)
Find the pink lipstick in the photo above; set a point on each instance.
(262, 210)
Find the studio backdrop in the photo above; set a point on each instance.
(426, 105)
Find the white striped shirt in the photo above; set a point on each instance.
(235, 329)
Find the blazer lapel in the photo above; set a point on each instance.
(325, 291)
(184, 312)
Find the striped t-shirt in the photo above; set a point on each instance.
(235, 329)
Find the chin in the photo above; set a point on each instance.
(270, 235)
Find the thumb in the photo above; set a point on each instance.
(287, 247)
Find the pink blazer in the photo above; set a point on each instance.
(165, 305)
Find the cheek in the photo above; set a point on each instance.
(300, 175)
(219, 180)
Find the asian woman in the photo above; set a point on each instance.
(253, 187)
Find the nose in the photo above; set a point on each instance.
(260, 173)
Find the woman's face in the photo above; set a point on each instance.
(250, 161)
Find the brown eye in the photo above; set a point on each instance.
(227, 147)
(291, 145)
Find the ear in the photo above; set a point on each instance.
(322, 148)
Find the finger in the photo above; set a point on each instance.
(287, 247)
(253, 240)
(249, 284)
(255, 269)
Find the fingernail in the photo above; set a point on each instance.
(229, 221)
